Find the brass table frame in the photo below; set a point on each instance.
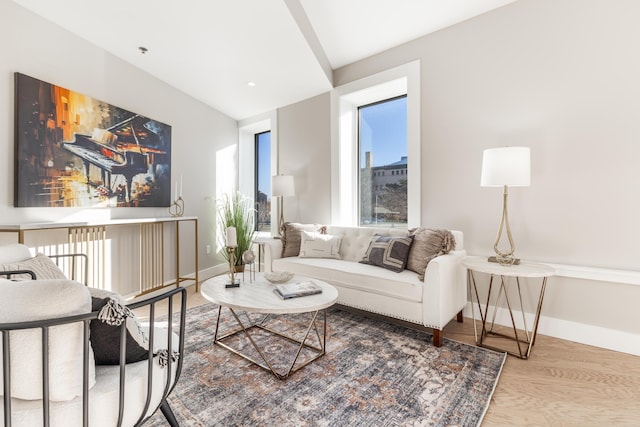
(261, 324)
(524, 340)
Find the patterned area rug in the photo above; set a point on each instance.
(374, 374)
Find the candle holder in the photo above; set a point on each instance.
(177, 207)
(232, 268)
(248, 259)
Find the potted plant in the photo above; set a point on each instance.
(237, 211)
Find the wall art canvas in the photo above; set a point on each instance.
(75, 151)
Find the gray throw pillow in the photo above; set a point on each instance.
(291, 237)
(428, 243)
(388, 252)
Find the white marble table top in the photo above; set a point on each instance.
(258, 297)
(524, 269)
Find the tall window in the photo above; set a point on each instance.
(382, 151)
(263, 180)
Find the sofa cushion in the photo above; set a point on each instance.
(37, 300)
(388, 252)
(428, 243)
(367, 278)
(41, 265)
(104, 396)
(317, 245)
(291, 237)
(105, 331)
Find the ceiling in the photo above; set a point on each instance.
(213, 49)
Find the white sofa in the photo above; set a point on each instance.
(432, 303)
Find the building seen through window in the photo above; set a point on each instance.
(263, 181)
(382, 135)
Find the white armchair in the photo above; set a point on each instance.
(49, 375)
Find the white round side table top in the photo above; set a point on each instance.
(258, 297)
(524, 269)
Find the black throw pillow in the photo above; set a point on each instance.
(105, 333)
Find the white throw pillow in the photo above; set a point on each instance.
(317, 245)
(41, 265)
(37, 300)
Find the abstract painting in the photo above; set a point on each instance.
(72, 150)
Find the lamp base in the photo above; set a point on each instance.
(504, 261)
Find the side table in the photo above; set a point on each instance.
(505, 275)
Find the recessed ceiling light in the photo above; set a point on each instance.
(252, 84)
(143, 50)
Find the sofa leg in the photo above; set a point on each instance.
(459, 317)
(168, 414)
(437, 337)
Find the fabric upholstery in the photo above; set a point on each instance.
(103, 397)
(428, 243)
(14, 252)
(317, 245)
(42, 299)
(291, 237)
(388, 252)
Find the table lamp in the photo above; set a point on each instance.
(282, 186)
(504, 167)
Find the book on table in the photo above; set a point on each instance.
(295, 290)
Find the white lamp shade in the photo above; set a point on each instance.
(282, 185)
(506, 166)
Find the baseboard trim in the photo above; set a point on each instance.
(597, 336)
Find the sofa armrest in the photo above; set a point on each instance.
(445, 289)
(272, 250)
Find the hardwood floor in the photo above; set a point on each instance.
(561, 384)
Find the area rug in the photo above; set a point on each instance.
(373, 374)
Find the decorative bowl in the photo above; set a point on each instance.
(278, 276)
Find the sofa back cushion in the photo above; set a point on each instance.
(14, 252)
(37, 300)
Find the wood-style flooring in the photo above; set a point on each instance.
(562, 383)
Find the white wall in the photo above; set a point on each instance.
(305, 152)
(559, 76)
(33, 46)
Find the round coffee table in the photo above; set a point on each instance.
(259, 297)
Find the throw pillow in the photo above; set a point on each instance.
(291, 237)
(388, 252)
(41, 265)
(105, 331)
(428, 243)
(317, 245)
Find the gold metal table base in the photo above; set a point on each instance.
(265, 363)
(525, 339)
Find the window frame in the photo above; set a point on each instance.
(345, 99)
(256, 170)
(247, 129)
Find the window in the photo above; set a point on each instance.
(382, 144)
(263, 180)
(399, 82)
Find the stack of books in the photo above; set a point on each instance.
(295, 290)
